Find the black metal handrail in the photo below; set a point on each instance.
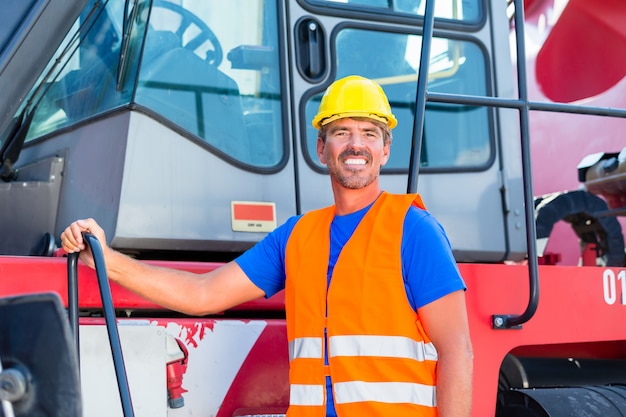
(498, 321)
(109, 315)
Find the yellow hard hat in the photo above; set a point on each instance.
(354, 96)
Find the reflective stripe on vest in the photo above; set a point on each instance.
(308, 395)
(305, 347)
(385, 392)
(387, 346)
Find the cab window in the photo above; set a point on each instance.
(466, 11)
(456, 137)
(214, 71)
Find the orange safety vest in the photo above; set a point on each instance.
(381, 362)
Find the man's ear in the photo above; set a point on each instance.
(320, 150)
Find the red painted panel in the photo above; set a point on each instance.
(572, 317)
(25, 275)
(585, 53)
(262, 383)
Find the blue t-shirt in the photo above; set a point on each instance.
(428, 266)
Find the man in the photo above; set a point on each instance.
(388, 334)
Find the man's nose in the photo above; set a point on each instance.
(357, 140)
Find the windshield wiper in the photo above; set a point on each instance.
(18, 129)
(127, 28)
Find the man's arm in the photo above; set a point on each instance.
(193, 294)
(445, 323)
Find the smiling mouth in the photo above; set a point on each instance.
(355, 159)
(355, 162)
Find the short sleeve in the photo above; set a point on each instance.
(264, 263)
(429, 267)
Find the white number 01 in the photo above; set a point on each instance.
(609, 281)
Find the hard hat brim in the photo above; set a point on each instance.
(322, 120)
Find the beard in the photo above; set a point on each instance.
(352, 179)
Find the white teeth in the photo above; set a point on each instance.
(355, 162)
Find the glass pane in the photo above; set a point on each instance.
(465, 10)
(83, 82)
(214, 71)
(455, 136)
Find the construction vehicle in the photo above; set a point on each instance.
(184, 128)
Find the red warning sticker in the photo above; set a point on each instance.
(253, 216)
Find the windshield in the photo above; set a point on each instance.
(202, 67)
